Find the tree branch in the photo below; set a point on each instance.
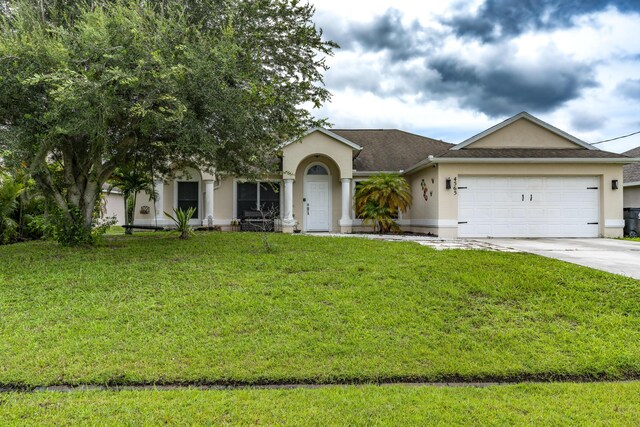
(41, 174)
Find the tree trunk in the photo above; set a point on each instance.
(83, 176)
(89, 200)
(42, 15)
(129, 211)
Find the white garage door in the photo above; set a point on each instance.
(509, 206)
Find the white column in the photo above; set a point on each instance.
(208, 209)
(345, 221)
(158, 186)
(288, 203)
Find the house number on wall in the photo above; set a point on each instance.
(455, 185)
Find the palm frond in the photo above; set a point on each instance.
(381, 197)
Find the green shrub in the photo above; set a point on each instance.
(380, 198)
(73, 232)
(181, 219)
(10, 190)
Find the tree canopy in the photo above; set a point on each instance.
(89, 86)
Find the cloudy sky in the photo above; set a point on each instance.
(450, 69)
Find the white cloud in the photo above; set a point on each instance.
(367, 87)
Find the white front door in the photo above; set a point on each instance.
(513, 206)
(316, 205)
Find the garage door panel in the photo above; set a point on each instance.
(501, 197)
(520, 213)
(507, 206)
(504, 214)
(536, 215)
(534, 183)
(516, 182)
(553, 198)
(481, 214)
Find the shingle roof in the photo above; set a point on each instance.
(541, 153)
(390, 149)
(632, 172)
(395, 150)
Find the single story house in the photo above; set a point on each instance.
(632, 181)
(519, 178)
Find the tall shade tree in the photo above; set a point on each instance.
(379, 200)
(215, 84)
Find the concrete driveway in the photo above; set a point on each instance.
(615, 256)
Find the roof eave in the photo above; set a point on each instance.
(420, 165)
(371, 173)
(429, 161)
(616, 160)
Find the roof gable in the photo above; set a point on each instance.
(632, 172)
(524, 131)
(328, 133)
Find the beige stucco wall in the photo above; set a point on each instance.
(114, 206)
(610, 200)
(143, 199)
(424, 213)
(632, 197)
(223, 202)
(336, 191)
(317, 143)
(523, 134)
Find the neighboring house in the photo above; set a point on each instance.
(632, 181)
(520, 178)
(113, 204)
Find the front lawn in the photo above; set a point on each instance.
(603, 404)
(220, 309)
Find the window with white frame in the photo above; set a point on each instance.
(257, 199)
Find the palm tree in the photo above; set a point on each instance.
(380, 198)
(131, 180)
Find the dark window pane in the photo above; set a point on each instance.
(246, 209)
(317, 170)
(269, 191)
(247, 198)
(247, 191)
(188, 196)
(270, 198)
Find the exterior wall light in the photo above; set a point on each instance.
(614, 184)
(448, 183)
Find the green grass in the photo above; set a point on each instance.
(603, 404)
(115, 230)
(218, 308)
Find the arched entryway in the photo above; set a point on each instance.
(319, 151)
(317, 197)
